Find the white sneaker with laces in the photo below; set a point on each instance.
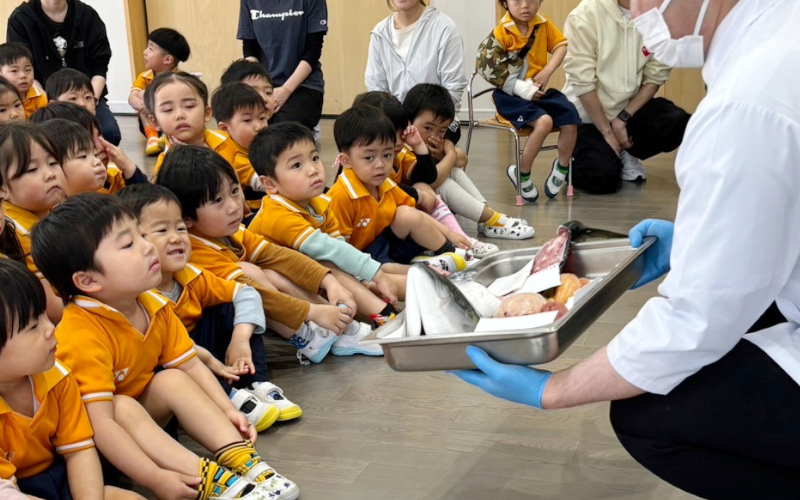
(314, 342)
(261, 414)
(632, 168)
(529, 191)
(267, 392)
(347, 344)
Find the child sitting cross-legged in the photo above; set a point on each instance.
(296, 214)
(374, 214)
(115, 333)
(224, 318)
(241, 114)
(289, 282)
(46, 444)
(120, 170)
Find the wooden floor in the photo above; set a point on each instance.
(371, 433)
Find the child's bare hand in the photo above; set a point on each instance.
(338, 294)
(226, 373)
(244, 426)
(459, 240)
(330, 317)
(436, 147)
(119, 158)
(541, 79)
(427, 201)
(170, 485)
(449, 147)
(239, 356)
(411, 137)
(385, 287)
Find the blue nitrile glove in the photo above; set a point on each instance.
(519, 384)
(656, 258)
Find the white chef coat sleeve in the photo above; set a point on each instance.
(734, 247)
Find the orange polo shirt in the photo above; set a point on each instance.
(23, 223)
(34, 99)
(59, 425)
(286, 223)
(548, 39)
(201, 289)
(115, 181)
(217, 141)
(143, 80)
(404, 164)
(360, 216)
(109, 356)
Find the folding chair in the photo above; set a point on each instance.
(495, 124)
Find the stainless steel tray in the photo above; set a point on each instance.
(613, 262)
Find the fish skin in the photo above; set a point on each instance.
(443, 308)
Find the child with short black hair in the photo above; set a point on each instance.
(166, 48)
(241, 114)
(413, 163)
(120, 170)
(373, 213)
(71, 85)
(224, 318)
(11, 109)
(255, 75)
(178, 104)
(115, 333)
(83, 171)
(431, 110)
(296, 215)
(289, 282)
(16, 65)
(45, 435)
(31, 184)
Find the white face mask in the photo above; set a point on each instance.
(686, 52)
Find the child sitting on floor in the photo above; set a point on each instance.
(373, 213)
(70, 85)
(46, 444)
(296, 215)
(290, 282)
(11, 109)
(431, 110)
(120, 170)
(224, 318)
(166, 48)
(255, 75)
(241, 114)
(75, 151)
(114, 335)
(16, 65)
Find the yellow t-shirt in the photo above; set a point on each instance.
(109, 356)
(217, 141)
(360, 216)
(143, 80)
(34, 99)
(286, 223)
(59, 425)
(201, 289)
(23, 223)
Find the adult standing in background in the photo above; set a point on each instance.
(416, 44)
(286, 36)
(67, 34)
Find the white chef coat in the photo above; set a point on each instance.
(736, 247)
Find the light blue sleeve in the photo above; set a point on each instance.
(321, 247)
(248, 309)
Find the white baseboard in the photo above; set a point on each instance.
(121, 108)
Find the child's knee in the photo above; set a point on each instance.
(168, 382)
(544, 123)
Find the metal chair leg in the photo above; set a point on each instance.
(519, 202)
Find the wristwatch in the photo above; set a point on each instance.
(624, 116)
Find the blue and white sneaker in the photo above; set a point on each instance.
(313, 341)
(347, 343)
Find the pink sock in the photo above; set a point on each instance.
(441, 212)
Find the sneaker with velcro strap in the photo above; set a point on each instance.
(555, 180)
(313, 342)
(229, 486)
(261, 414)
(267, 392)
(347, 343)
(529, 191)
(280, 487)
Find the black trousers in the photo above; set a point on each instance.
(304, 106)
(656, 128)
(109, 128)
(731, 431)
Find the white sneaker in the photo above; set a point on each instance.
(513, 229)
(347, 344)
(529, 191)
(267, 392)
(314, 342)
(555, 180)
(276, 485)
(448, 261)
(261, 414)
(230, 486)
(632, 168)
(481, 249)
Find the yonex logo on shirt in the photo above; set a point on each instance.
(120, 375)
(259, 14)
(363, 222)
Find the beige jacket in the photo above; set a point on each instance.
(606, 54)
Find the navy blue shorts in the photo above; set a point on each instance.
(388, 248)
(51, 484)
(521, 112)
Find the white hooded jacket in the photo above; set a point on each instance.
(606, 54)
(435, 55)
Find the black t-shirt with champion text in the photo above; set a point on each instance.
(280, 27)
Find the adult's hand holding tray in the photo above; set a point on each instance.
(612, 265)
